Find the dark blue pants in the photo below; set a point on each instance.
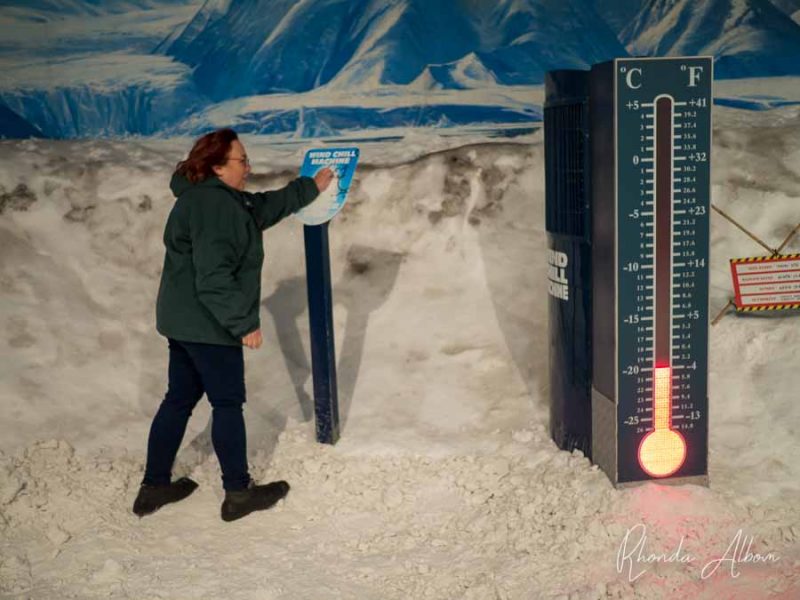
(194, 369)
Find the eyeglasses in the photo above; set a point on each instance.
(242, 159)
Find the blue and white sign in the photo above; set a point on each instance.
(342, 161)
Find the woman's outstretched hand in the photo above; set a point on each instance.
(323, 179)
(253, 340)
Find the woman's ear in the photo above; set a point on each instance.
(217, 169)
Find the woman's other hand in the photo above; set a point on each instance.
(323, 179)
(253, 340)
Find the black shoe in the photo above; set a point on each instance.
(153, 497)
(240, 503)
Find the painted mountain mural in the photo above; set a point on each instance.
(305, 68)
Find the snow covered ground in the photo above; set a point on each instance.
(445, 483)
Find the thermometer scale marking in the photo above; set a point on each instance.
(663, 449)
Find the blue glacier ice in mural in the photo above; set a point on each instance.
(334, 120)
(110, 94)
(82, 68)
(14, 126)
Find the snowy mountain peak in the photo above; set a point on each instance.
(297, 46)
(746, 36)
(57, 9)
(468, 72)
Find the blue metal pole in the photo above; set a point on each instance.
(320, 315)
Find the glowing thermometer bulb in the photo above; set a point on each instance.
(662, 450)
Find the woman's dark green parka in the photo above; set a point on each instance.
(210, 288)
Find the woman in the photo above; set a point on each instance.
(208, 308)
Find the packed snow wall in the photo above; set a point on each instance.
(445, 482)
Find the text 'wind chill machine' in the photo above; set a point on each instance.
(627, 168)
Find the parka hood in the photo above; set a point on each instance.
(179, 184)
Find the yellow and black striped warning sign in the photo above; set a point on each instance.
(769, 307)
(766, 258)
(764, 283)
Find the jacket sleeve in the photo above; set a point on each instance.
(216, 256)
(271, 207)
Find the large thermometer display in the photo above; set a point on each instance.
(659, 239)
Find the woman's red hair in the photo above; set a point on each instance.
(209, 151)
